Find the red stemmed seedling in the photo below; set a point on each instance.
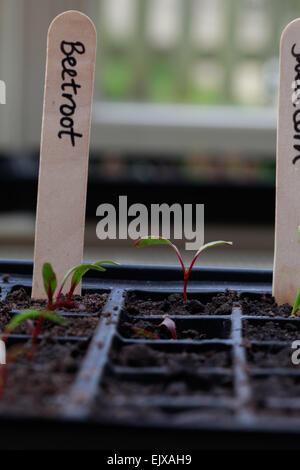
(167, 322)
(56, 301)
(145, 241)
(46, 313)
(19, 350)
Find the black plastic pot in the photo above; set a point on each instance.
(133, 422)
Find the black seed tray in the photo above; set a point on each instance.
(212, 405)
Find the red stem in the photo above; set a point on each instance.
(179, 257)
(183, 269)
(59, 293)
(186, 278)
(71, 292)
(3, 379)
(70, 295)
(37, 330)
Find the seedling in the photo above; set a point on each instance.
(170, 324)
(18, 350)
(145, 241)
(50, 285)
(167, 322)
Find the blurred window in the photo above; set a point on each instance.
(192, 51)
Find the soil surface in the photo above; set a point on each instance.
(36, 386)
(141, 355)
(76, 326)
(89, 303)
(270, 357)
(127, 330)
(263, 388)
(79, 327)
(39, 386)
(173, 304)
(264, 306)
(187, 385)
(272, 330)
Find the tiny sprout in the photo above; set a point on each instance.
(167, 322)
(170, 324)
(186, 271)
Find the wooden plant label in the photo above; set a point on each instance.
(60, 219)
(286, 279)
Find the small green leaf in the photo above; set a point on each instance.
(144, 241)
(49, 279)
(203, 248)
(210, 245)
(296, 304)
(298, 233)
(33, 314)
(81, 270)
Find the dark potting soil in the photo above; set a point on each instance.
(270, 357)
(76, 326)
(266, 387)
(264, 306)
(88, 303)
(36, 386)
(141, 355)
(146, 414)
(79, 327)
(272, 330)
(174, 304)
(179, 385)
(127, 330)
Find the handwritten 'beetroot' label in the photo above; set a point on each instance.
(59, 235)
(68, 110)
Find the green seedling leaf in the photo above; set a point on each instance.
(298, 233)
(203, 248)
(79, 271)
(33, 314)
(145, 333)
(50, 282)
(296, 305)
(170, 324)
(145, 241)
(210, 245)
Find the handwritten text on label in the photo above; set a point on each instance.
(67, 110)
